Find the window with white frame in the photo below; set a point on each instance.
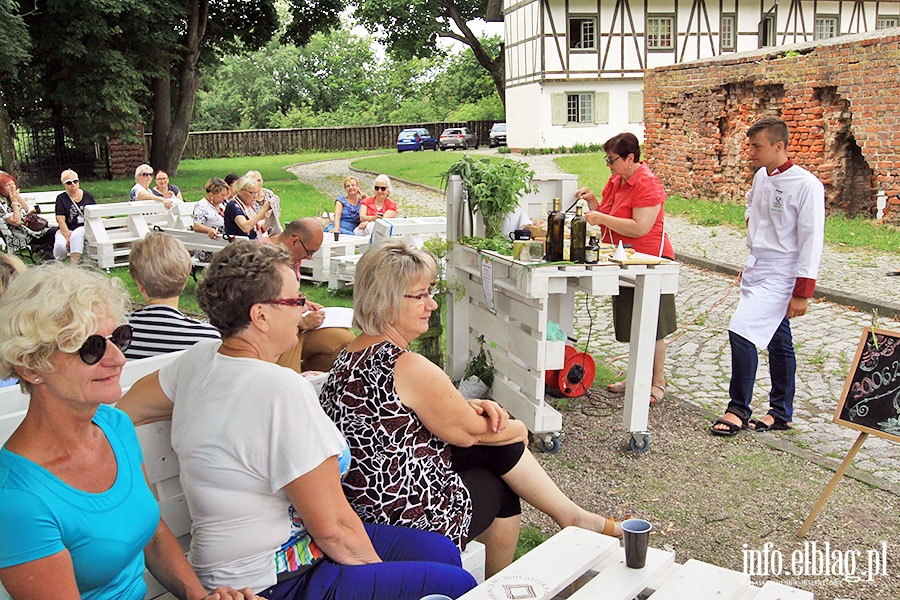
(884, 22)
(583, 33)
(660, 32)
(826, 27)
(726, 31)
(580, 108)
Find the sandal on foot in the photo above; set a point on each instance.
(732, 428)
(777, 425)
(609, 527)
(617, 387)
(654, 398)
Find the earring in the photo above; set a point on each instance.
(37, 379)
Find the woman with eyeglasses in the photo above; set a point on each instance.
(423, 456)
(273, 221)
(143, 177)
(78, 517)
(241, 218)
(260, 459)
(70, 217)
(377, 206)
(632, 211)
(14, 230)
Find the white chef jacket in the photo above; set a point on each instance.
(786, 230)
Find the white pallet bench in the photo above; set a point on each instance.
(110, 229)
(416, 230)
(162, 467)
(318, 268)
(582, 565)
(46, 201)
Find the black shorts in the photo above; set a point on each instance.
(481, 469)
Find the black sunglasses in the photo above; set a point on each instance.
(70, 181)
(94, 348)
(298, 302)
(381, 188)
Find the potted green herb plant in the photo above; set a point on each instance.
(493, 188)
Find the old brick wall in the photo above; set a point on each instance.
(840, 98)
(124, 158)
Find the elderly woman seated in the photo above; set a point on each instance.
(241, 215)
(377, 206)
(78, 517)
(260, 460)
(458, 467)
(160, 266)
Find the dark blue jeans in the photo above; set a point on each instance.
(782, 367)
(416, 564)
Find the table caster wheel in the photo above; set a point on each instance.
(550, 443)
(639, 442)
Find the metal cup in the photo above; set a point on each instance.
(636, 536)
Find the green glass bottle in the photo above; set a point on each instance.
(579, 237)
(556, 231)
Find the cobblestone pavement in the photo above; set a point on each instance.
(699, 362)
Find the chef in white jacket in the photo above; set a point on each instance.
(786, 228)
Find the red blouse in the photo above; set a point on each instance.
(620, 197)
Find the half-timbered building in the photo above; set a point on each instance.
(574, 68)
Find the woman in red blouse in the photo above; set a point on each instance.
(631, 211)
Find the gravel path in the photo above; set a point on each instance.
(712, 498)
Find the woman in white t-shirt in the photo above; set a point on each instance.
(260, 459)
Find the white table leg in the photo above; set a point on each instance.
(641, 349)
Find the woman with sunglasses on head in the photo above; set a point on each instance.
(632, 211)
(423, 456)
(70, 217)
(378, 206)
(260, 460)
(78, 517)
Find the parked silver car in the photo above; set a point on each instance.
(458, 137)
(497, 137)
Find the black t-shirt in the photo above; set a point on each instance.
(73, 212)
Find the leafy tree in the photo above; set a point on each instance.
(411, 29)
(15, 49)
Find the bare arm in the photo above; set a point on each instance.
(338, 210)
(363, 214)
(445, 412)
(166, 561)
(63, 228)
(390, 214)
(145, 402)
(326, 514)
(48, 578)
(639, 225)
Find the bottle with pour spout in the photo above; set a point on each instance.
(579, 236)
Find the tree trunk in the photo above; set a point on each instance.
(7, 148)
(494, 66)
(170, 134)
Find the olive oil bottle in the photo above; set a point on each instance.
(579, 236)
(556, 231)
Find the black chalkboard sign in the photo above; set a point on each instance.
(871, 398)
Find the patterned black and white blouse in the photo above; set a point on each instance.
(400, 472)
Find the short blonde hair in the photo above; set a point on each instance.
(54, 307)
(350, 178)
(383, 275)
(10, 267)
(244, 183)
(161, 264)
(66, 175)
(253, 174)
(142, 167)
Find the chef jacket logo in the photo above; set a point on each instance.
(778, 201)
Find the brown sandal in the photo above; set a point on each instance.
(609, 528)
(654, 398)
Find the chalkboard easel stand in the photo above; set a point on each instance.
(838, 475)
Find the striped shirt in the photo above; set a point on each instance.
(159, 329)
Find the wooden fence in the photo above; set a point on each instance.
(260, 142)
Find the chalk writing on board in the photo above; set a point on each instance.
(871, 400)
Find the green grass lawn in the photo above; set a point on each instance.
(425, 167)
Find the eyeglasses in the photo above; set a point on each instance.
(305, 249)
(70, 182)
(146, 175)
(297, 302)
(252, 193)
(94, 348)
(380, 188)
(611, 160)
(432, 290)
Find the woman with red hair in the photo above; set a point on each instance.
(14, 210)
